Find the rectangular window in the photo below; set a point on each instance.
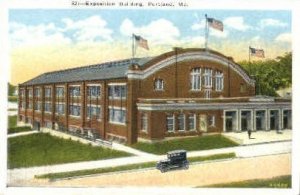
(144, 122)
(117, 91)
(170, 122)
(38, 106)
(60, 108)
(29, 105)
(60, 92)
(219, 81)
(93, 111)
(74, 91)
(196, 79)
(94, 91)
(117, 115)
(181, 122)
(159, 84)
(207, 78)
(37, 92)
(48, 92)
(48, 107)
(29, 91)
(212, 121)
(23, 105)
(22, 93)
(192, 121)
(74, 110)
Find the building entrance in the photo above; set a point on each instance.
(287, 119)
(230, 121)
(260, 120)
(274, 120)
(245, 120)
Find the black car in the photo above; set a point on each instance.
(176, 160)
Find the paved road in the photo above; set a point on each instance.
(198, 175)
(18, 176)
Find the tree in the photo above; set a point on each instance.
(11, 89)
(271, 74)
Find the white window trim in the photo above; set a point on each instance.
(115, 122)
(219, 77)
(194, 118)
(194, 73)
(95, 85)
(173, 130)
(184, 128)
(160, 86)
(94, 105)
(146, 116)
(56, 109)
(47, 102)
(75, 116)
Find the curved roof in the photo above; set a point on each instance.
(146, 67)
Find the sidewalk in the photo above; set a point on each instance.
(22, 133)
(259, 137)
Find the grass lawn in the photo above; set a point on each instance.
(12, 126)
(127, 167)
(189, 144)
(44, 149)
(275, 182)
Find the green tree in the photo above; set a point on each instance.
(271, 74)
(11, 89)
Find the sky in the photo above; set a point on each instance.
(43, 40)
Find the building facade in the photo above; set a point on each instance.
(185, 92)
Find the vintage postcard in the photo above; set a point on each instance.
(156, 97)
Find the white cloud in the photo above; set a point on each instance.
(42, 34)
(272, 22)
(217, 33)
(158, 31)
(284, 37)
(199, 25)
(236, 23)
(89, 29)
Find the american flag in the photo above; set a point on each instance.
(216, 24)
(141, 42)
(257, 52)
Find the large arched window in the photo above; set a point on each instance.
(207, 78)
(219, 81)
(196, 79)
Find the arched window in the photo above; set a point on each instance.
(159, 84)
(196, 79)
(207, 78)
(219, 81)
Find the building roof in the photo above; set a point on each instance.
(108, 70)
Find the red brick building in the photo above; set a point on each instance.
(185, 92)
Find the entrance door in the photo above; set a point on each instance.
(287, 119)
(274, 120)
(203, 122)
(260, 120)
(230, 121)
(245, 120)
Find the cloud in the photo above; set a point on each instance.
(198, 25)
(29, 35)
(158, 31)
(89, 29)
(236, 23)
(284, 37)
(217, 33)
(272, 23)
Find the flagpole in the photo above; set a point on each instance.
(132, 48)
(206, 32)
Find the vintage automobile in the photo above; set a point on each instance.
(176, 160)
